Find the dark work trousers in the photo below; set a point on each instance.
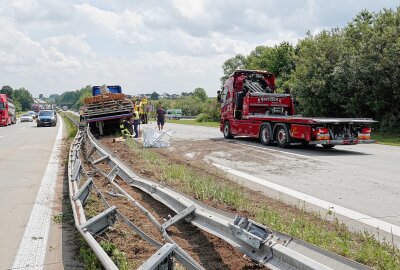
(135, 127)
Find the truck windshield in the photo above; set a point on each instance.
(2, 106)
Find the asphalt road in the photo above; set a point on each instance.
(362, 178)
(24, 154)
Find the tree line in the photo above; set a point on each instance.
(22, 98)
(352, 71)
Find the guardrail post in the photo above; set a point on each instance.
(178, 217)
(76, 170)
(100, 223)
(84, 191)
(161, 260)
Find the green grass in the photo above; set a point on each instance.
(71, 128)
(90, 260)
(201, 187)
(295, 221)
(387, 138)
(73, 116)
(193, 122)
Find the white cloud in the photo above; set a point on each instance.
(191, 9)
(127, 26)
(171, 46)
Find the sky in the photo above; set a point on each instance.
(167, 46)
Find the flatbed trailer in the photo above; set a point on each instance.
(103, 111)
(250, 107)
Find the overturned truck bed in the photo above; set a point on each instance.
(104, 111)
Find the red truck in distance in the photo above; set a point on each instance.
(251, 107)
(7, 111)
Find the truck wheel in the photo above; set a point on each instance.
(266, 134)
(282, 136)
(328, 146)
(227, 130)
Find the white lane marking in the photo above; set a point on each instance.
(1, 136)
(32, 249)
(376, 223)
(22, 127)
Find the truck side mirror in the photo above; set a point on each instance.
(219, 98)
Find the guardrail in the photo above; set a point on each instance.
(262, 245)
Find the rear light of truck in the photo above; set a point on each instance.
(366, 130)
(322, 134)
(364, 134)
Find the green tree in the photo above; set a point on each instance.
(82, 94)
(24, 98)
(154, 96)
(200, 93)
(230, 65)
(67, 98)
(368, 75)
(312, 82)
(280, 60)
(6, 89)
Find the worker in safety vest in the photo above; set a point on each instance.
(136, 123)
(123, 125)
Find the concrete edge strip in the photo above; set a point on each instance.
(32, 250)
(370, 221)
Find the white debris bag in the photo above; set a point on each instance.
(153, 137)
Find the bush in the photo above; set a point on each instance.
(203, 117)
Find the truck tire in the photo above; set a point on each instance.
(282, 136)
(328, 146)
(227, 130)
(266, 136)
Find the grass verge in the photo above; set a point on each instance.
(193, 122)
(295, 221)
(71, 128)
(387, 138)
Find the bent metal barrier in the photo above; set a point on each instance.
(258, 243)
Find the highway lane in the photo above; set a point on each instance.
(24, 154)
(362, 178)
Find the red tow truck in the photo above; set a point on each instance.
(250, 106)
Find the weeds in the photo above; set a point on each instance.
(90, 260)
(58, 218)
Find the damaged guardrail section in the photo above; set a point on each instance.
(258, 243)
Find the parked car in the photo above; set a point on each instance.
(46, 118)
(174, 114)
(27, 117)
